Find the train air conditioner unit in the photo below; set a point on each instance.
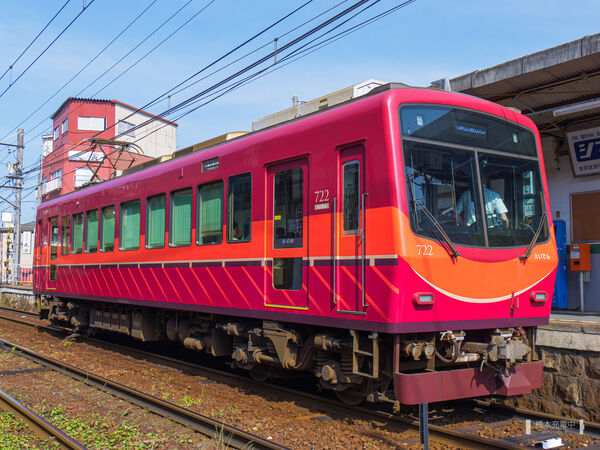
(317, 104)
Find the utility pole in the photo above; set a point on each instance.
(16, 173)
(19, 188)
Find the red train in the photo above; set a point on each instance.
(399, 241)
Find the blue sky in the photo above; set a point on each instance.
(426, 40)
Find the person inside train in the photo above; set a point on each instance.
(495, 209)
(237, 235)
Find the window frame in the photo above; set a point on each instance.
(125, 128)
(64, 128)
(230, 210)
(85, 231)
(62, 236)
(121, 222)
(73, 234)
(198, 218)
(101, 228)
(276, 189)
(352, 231)
(56, 132)
(171, 218)
(54, 255)
(146, 244)
(79, 123)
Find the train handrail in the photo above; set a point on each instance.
(363, 238)
(334, 249)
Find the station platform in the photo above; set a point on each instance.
(569, 346)
(574, 317)
(571, 330)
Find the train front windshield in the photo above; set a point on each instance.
(473, 176)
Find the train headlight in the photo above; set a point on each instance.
(423, 298)
(538, 296)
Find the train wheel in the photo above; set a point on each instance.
(352, 396)
(259, 374)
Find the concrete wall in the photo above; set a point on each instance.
(18, 298)
(571, 356)
(561, 184)
(157, 138)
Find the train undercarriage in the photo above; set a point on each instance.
(357, 365)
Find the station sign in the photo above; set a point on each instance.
(584, 150)
(26, 242)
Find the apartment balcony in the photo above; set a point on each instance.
(51, 186)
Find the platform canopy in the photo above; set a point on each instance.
(542, 84)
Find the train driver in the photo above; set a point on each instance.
(495, 209)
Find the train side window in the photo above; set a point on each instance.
(77, 234)
(180, 230)
(53, 238)
(210, 214)
(156, 218)
(239, 208)
(91, 231)
(65, 235)
(288, 208)
(351, 195)
(129, 233)
(107, 229)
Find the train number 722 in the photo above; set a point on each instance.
(424, 250)
(322, 196)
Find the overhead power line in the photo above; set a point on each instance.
(164, 95)
(34, 39)
(49, 45)
(293, 57)
(154, 48)
(129, 52)
(247, 68)
(49, 164)
(255, 64)
(79, 72)
(221, 88)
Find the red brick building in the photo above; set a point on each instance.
(72, 162)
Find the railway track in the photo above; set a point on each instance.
(40, 427)
(18, 311)
(205, 425)
(442, 434)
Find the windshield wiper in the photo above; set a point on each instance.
(438, 227)
(527, 253)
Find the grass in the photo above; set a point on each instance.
(94, 432)
(188, 401)
(15, 435)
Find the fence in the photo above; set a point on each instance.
(25, 277)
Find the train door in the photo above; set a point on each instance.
(349, 254)
(51, 264)
(286, 274)
(37, 273)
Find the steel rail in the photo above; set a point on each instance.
(18, 311)
(205, 425)
(437, 433)
(491, 404)
(40, 427)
